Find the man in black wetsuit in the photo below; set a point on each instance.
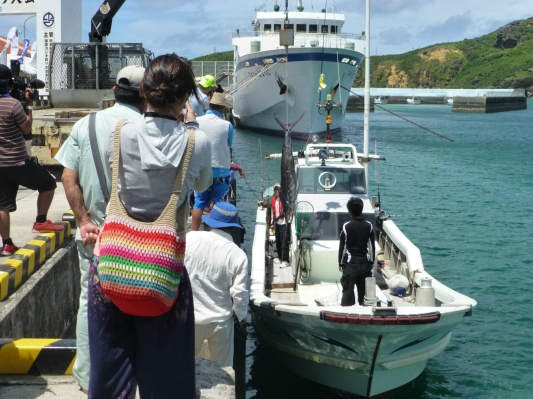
(356, 253)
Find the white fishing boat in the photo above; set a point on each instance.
(381, 100)
(413, 101)
(322, 60)
(365, 350)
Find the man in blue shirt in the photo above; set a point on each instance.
(220, 133)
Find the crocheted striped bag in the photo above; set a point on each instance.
(141, 263)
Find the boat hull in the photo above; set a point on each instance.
(341, 356)
(259, 102)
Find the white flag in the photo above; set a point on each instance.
(33, 49)
(15, 46)
(11, 35)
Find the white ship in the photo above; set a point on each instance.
(320, 49)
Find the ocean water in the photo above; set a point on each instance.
(468, 206)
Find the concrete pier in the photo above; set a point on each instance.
(488, 104)
(45, 306)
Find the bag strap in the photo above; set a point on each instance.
(180, 180)
(114, 201)
(93, 140)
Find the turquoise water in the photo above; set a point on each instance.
(468, 206)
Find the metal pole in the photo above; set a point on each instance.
(120, 56)
(73, 69)
(367, 91)
(97, 60)
(33, 16)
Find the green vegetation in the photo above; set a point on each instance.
(501, 59)
(224, 56)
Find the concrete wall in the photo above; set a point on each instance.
(488, 104)
(79, 98)
(47, 303)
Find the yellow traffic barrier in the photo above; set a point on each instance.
(18, 267)
(37, 356)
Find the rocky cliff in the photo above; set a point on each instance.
(501, 59)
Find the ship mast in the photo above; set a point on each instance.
(367, 93)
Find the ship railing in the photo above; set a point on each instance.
(310, 36)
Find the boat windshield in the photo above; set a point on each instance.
(325, 180)
(328, 225)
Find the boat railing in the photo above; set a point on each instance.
(311, 36)
(399, 250)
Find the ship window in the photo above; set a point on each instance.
(301, 28)
(289, 26)
(313, 28)
(324, 29)
(333, 28)
(277, 27)
(267, 27)
(349, 181)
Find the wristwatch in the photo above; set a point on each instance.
(30, 107)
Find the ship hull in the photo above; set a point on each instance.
(258, 102)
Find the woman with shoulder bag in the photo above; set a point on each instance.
(141, 316)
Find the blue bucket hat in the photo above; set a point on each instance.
(222, 215)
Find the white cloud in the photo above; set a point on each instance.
(195, 28)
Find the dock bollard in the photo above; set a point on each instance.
(239, 358)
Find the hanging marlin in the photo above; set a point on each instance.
(288, 174)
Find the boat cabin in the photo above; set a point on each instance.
(301, 22)
(328, 175)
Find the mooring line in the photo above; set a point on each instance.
(401, 117)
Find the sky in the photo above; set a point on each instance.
(194, 28)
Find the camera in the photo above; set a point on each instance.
(19, 89)
(19, 85)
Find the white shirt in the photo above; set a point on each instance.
(218, 270)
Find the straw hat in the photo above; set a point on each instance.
(220, 99)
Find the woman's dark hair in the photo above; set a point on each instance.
(166, 79)
(355, 206)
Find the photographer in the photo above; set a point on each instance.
(16, 167)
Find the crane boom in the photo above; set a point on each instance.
(102, 20)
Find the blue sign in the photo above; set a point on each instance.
(25, 50)
(48, 20)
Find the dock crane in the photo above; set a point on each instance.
(100, 28)
(102, 20)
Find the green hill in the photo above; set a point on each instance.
(501, 59)
(224, 56)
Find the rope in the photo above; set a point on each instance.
(249, 79)
(401, 117)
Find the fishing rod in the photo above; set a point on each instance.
(248, 184)
(401, 117)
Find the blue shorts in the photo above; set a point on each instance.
(213, 194)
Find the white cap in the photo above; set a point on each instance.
(130, 77)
